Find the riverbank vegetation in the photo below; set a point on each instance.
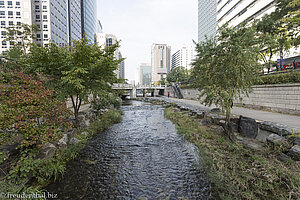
(38, 133)
(237, 172)
(29, 173)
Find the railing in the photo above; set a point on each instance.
(177, 91)
(131, 86)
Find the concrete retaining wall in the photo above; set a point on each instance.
(281, 98)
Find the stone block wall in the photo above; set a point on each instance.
(280, 98)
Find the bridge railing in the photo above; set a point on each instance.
(131, 86)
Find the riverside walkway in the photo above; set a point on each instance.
(292, 121)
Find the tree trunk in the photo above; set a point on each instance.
(228, 126)
(76, 106)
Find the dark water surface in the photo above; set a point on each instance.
(140, 158)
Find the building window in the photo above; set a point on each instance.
(2, 23)
(9, 3)
(1, 3)
(45, 26)
(37, 17)
(45, 35)
(44, 7)
(10, 13)
(38, 35)
(11, 23)
(19, 23)
(44, 16)
(3, 42)
(3, 32)
(18, 3)
(18, 13)
(37, 7)
(2, 12)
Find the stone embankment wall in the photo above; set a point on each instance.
(281, 98)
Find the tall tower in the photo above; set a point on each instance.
(145, 74)
(160, 61)
(13, 13)
(74, 20)
(52, 19)
(207, 18)
(89, 19)
(59, 21)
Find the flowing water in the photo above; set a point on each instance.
(142, 157)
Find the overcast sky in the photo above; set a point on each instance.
(140, 23)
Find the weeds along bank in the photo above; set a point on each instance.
(236, 171)
(37, 134)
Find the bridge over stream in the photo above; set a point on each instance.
(134, 91)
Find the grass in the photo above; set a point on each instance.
(237, 172)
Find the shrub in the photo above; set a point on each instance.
(292, 77)
(30, 110)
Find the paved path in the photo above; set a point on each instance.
(284, 119)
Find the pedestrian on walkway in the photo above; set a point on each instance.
(168, 94)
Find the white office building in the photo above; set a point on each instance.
(106, 40)
(234, 12)
(59, 21)
(13, 13)
(184, 57)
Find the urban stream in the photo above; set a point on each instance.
(143, 157)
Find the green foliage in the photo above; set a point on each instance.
(226, 67)
(235, 171)
(76, 72)
(284, 78)
(179, 74)
(28, 109)
(105, 100)
(21, 36)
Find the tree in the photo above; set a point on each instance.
(279, 30)
(75, 72)
(225, 68)
(291, 20)
(21, 36)
(178, 74)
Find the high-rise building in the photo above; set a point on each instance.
(160, 61)
(89, 19)
(107, 40)
(13, 13)
(183, 57)
(74, 21)
(207, 18)
(121, 67)
(145, 74)
(59, 21)
(52, 19)
(237, 11)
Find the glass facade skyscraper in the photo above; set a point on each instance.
(89, 19)
(74, 20)
(207, 19)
